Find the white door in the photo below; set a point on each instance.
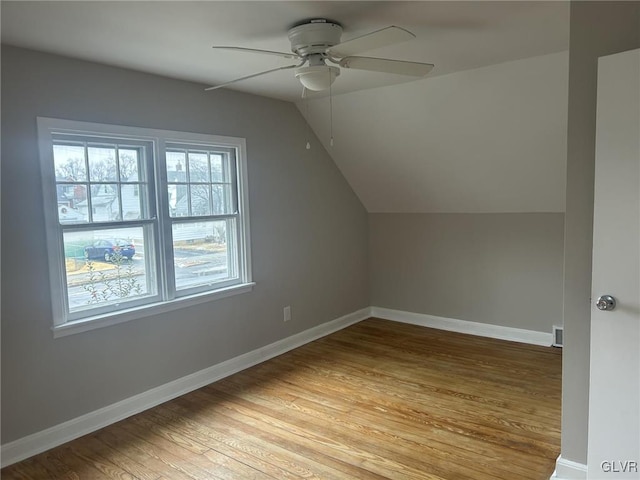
(614, 399)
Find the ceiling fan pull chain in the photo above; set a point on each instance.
(306, 108)
(330, 110)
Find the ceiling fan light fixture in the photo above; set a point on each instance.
(317, 77)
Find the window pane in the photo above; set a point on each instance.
(222, 199)
(200, 200)
(198, 167)
(67, 215)
(106, 267)
(216, 168)
(69, 163)
(178, 200)
(102, 164)
(131, 206)
(128, 165)
(105, 205)
(202, 253)
(72, 203)
(176, 167)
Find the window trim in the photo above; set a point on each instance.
(121, 316)
(158, 139)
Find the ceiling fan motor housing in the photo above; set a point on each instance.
(314, 37)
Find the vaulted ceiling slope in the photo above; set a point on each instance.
(484, 132)
(488, 140)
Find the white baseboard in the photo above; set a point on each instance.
(463, 326)
(57, 435)
(569, 470)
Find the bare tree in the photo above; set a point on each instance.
(71, 171)
(128, 167)
(74, 170)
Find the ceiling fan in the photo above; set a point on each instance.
(315, 42)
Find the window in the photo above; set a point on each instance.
(140, 221)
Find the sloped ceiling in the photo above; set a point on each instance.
(484, 132)
(486, 140)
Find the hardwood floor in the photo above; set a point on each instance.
(378, 400)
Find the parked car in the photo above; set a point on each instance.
(104, 249)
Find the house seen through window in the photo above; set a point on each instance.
(140, 218)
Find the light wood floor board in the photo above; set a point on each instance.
(378, 400)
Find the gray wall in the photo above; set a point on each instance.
(309, 241)
(597, 29)
(501, 269)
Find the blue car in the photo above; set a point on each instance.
(107, 249)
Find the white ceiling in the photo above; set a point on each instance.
(484, 132)
(174, 38)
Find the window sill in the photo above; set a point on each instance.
(101, 321)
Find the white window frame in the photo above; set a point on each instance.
(167, 298)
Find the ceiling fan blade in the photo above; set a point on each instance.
(370, 41)
(400, 67)
(215, 87)
(255, 50)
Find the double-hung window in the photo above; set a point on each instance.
(140, 221)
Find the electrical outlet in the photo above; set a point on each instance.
(287, 313)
